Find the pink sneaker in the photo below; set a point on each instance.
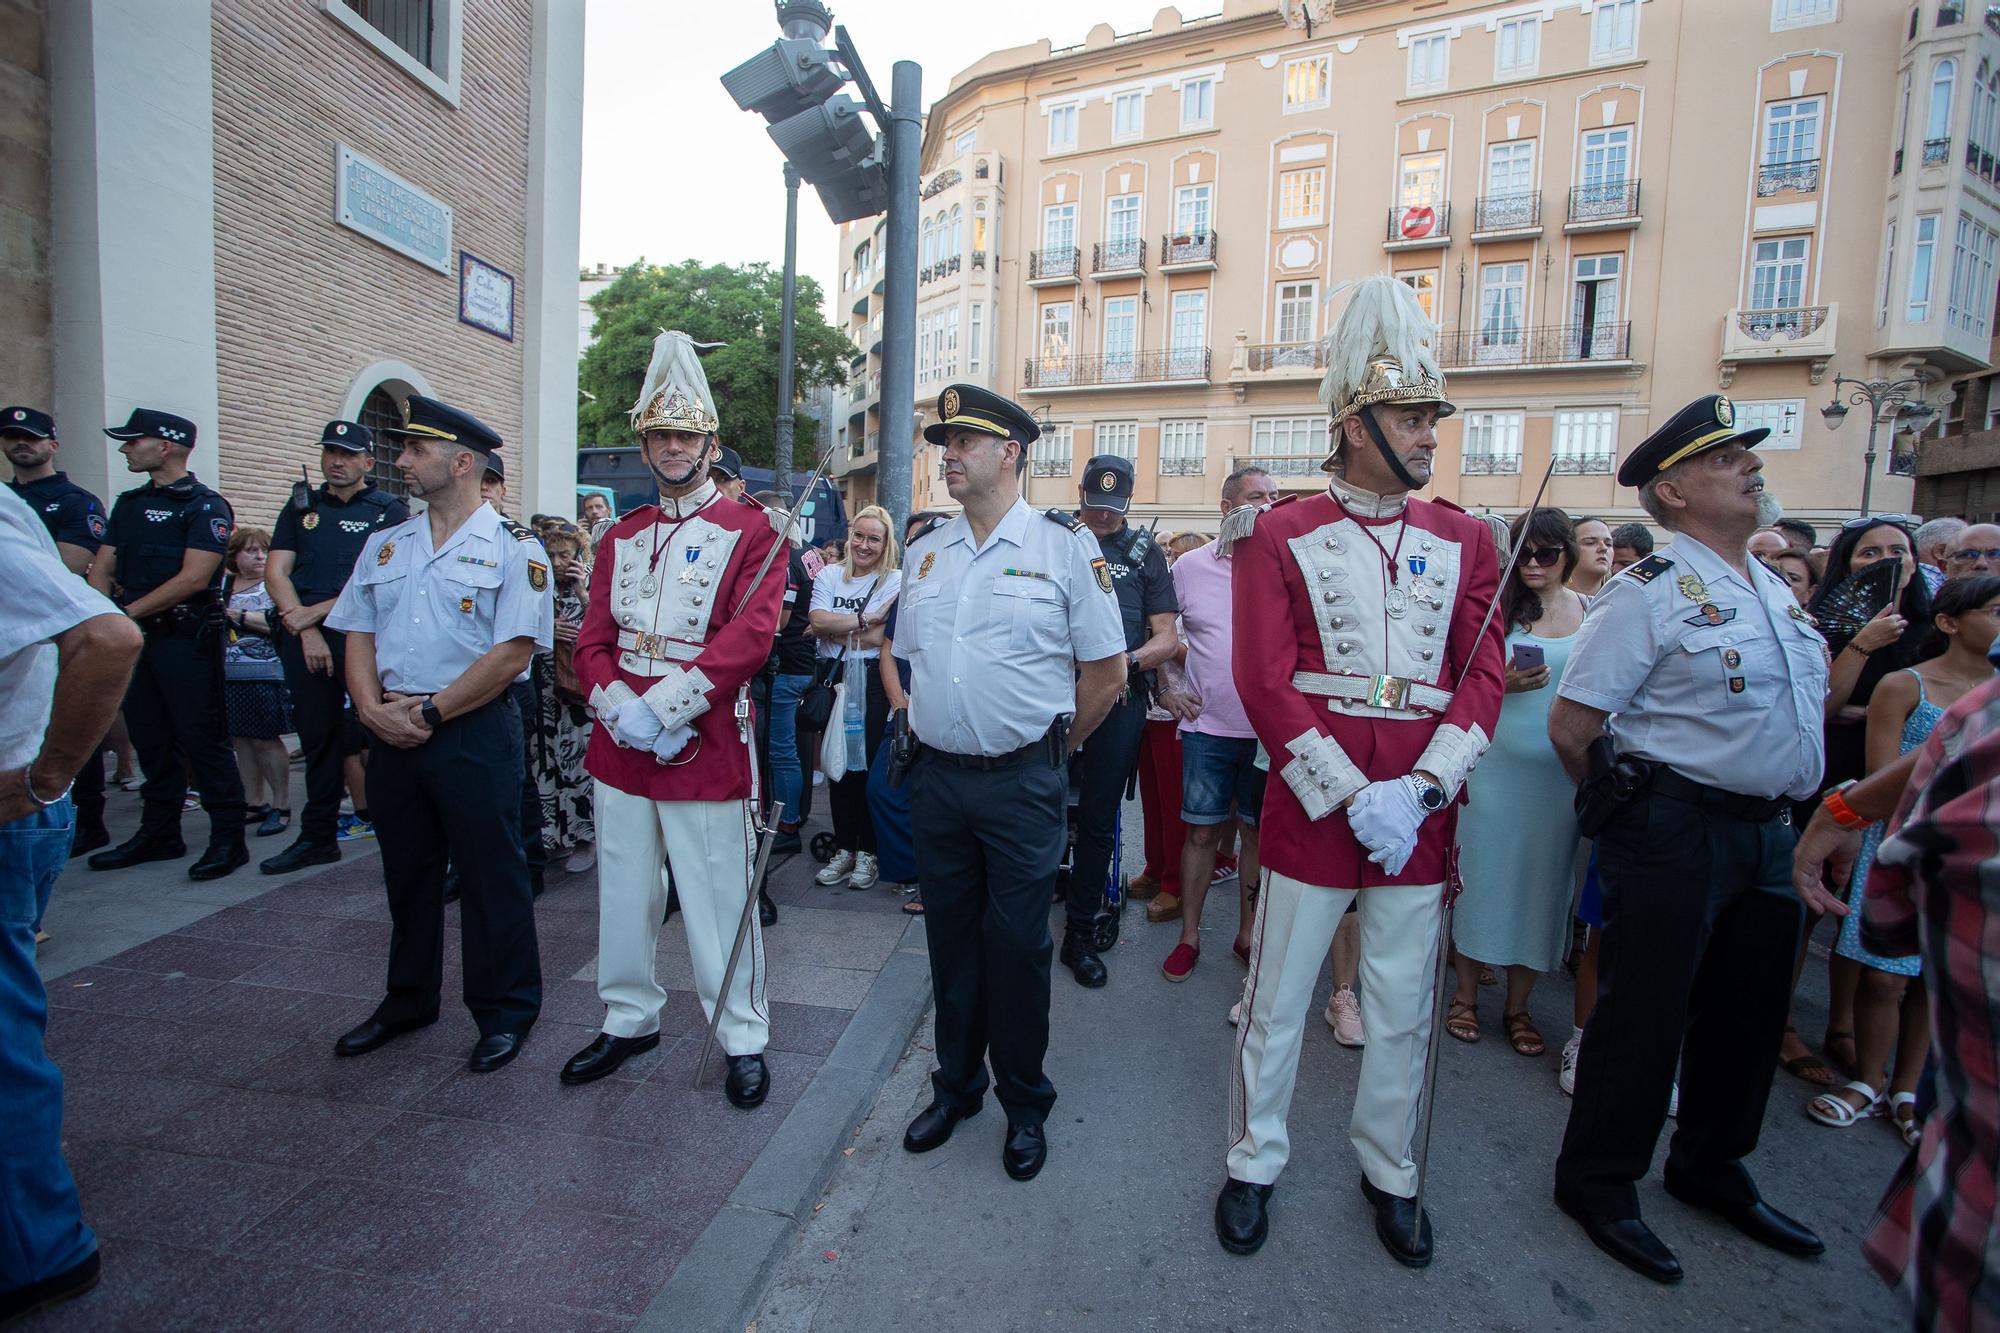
(1343, 1015)
(1180, 962)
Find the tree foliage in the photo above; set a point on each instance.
(739, 306)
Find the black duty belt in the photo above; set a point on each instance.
(1755, 809)
(1035, 749)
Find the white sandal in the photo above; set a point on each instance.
(1835, 1112)
(1911, 1129)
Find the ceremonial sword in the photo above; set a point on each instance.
(769, 833)
(1427, 1099)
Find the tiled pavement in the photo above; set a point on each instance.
(240, 1176)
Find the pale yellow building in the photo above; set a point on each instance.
(1611, 207)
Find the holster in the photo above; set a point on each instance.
(1058, 741)
(1614, 782)
(902, 746)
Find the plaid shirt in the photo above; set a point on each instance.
(1935, 888)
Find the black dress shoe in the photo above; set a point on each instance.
(137, 850)
(495, 1049)
(749, 1081)
(1241, 1222)
(367, 1036)
(66, 1285)
(451, 886)
(88, 840)
(1628, 1240)
(1025, 1151)
(603, 1056)
(305, 852)
(1083, 963)
(933, 1126)
(1404, 1231)
(786, 844)
(221, 858)
(767, 911)
(1759, 1220)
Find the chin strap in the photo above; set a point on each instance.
(1367, 415)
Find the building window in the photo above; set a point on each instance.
(1428, 55)
(1120, 439)
(1923, 255)
(1972, 290)
(1424, 282)
(1937, 124)
(1780, 416)
(1985, 114)
(1422, 181)
(1121, 219)
(1614, 30)
(1607, 157)
(966, 143)
(1308, 82)
(1594, 306)
(979, 225)
(1191, 209)
(1503, 295)
(1517, 47)
(1059, 227)
(1183, 448)
(927, 245)
(1289, 446)
(1062, 127)
(1188, 334)
(1492, 442)
(926, 357)
(1121, 337)
(1051, 453)
(1791, 132)
(1888, 273)
(1128, 116)
(1198, 103)
(948, 346)
(1778, 274)
(1058, 323)
(380, 413)
(973, 348)
(1298, 312)
(1800, 13)
(1302, 197)
(956, 245)
(1510, 168)
(1586, 439)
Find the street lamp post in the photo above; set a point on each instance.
(1886, 400)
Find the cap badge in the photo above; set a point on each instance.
(948, 404)
(340, 430)
(1107, 480)
(1725, 411)
(19, 415)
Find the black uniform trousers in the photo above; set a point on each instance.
(173, 712)
(1102, 769)
(528, 702)
(1700, 928)
(319, 711)
(457, 793)
(988, 844)
(87, 793)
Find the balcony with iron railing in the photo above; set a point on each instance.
(945, 267)
(1800, 177)
(1187, 251)
(1982, 163)
(1049, 467)
(1582, 465)
(1506, 214)
(1289, 468)
(1490, 463)
(1117, 259)
(1196, 466)
(1416, 226)
(1060, 263)
(1156, 369)
(1286, 360)
(1603, 206)
(1937, 151)
(1785, 333)
(1551, 347)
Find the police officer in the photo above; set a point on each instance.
(314, 544)
(727, 470)
(442, 615)
(1146, 608)
(999, 607)
(75, 521)
(1708, 681)
(163, 549)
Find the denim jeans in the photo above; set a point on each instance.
(41, 1225)
(785, 772)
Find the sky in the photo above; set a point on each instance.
(672, 170)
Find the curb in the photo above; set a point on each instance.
(720, 1282)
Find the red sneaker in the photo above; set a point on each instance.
(1225, 868)
(1180, 962)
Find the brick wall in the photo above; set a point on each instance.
(27, 354)
(303, 304)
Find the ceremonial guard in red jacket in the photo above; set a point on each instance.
(1357, 612)
(668, 646)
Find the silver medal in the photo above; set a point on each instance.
(648, 586)
(1396, 603)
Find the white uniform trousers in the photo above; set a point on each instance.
(1295, 925)
(709, 845)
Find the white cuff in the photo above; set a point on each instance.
(606, 700)
(679, 697)
(1450, 756)
(1321, 775)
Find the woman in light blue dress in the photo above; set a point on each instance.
(1517, 833)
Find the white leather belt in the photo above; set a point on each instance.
(658, 646)
(1397, 693)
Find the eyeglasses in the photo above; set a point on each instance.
(1975, 553)
(1544, 556)
(1877, 520)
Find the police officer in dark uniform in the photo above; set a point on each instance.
(1102, 769)
(527, 692)
(162, 553)
(75, 520)
(314, 544)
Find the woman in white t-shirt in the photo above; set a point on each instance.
(850, 600)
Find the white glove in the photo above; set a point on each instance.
(672, 742)
(1394, 859)
(1384, 816)
(635, 725)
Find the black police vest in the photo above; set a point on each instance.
(331, 542)
(153, 527)
(1126, 555)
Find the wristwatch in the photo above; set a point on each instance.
(429, 712)
(1429, 795)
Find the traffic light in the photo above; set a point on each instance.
(794, 85)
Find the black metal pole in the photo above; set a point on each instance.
(781, 447)
(899, 304)
(1868, 468)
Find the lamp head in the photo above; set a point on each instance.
(1833, 414)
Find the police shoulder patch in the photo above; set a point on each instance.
(538, 576)
(95, 522)
(1103, 572)
(1645, 571)
(1064, 517)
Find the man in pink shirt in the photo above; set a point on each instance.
(1218, 744)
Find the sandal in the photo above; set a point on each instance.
(1836, 1112)
(1911, 1128)
(1808, 1068)
(1843, 1063)
(1523, 1035)
(1486, 977)
(914, 907)
(1462, 1021)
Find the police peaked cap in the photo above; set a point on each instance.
(495, 465)
(728, 463)
(148, 422)
(349, 435)
(432, 420)
(27, 421)
(1107, 483)
(969, 407)
(1709, 422)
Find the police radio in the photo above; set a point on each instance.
(302, 490)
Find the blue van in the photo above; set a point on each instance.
(622, 473)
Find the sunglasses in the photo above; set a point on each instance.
(1544, 556)
(1877, 520)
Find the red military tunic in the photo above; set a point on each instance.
(673, 640)
(1313, 606)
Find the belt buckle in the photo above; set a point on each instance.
(646, 644)
(1388, 691)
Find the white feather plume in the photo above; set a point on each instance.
(1383, 318)
(676, 364)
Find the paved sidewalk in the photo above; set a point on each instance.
(240, 1176)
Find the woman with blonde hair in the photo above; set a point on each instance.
(850, 600)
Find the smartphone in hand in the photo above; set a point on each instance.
(1527, 656)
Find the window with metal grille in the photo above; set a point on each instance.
(380, 412)
(407, 23)
(1120, 438)
(1492, 442)
(1183, 448)
(1051, 452)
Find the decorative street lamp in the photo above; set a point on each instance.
(1887, 401)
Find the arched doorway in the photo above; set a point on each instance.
(379, 412)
